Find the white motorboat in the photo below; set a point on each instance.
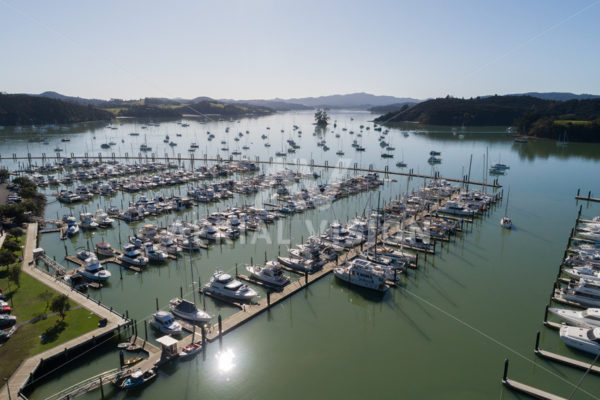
(165, 322)
(271, 274)
(72, 227)
(187, 310)
(85, 254)
(155, 254)
(295, 263)
(132, 256)
(583, 339)
(593, 235)
(103, 219)
(362, 273)
(209, 232)
(589, 318)
(585, 272)
(224, 285)
(105, 249)
(454, 208)
(88, 221)
(94, 271)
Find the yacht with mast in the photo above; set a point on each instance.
(506, 222)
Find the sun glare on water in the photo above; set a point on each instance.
(225, 360)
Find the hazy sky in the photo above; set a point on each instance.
(262, 49)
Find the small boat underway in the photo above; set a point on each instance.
(187, 310)
(165, 322)
(362, 273)
(223, 284)
(583, 339)
(506, 222)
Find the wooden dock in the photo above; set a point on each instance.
(588, 198)
(530, 390)
(526, 389)
(570, 362)
(355, 168)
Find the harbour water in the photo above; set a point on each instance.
(443, 334)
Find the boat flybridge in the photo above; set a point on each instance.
(222, 284)
(362, 273)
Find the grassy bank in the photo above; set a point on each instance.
(38, 328)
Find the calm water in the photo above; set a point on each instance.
(443, 335)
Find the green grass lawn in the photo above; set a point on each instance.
(31, 300)
(28, 301)
(565, 122)
(27, 340)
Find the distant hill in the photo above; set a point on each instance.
(560, 96)
(391, 108)
(277, 105)
(355, 101)
(580, 119)
(78, 100)
(166, 108)
(21, 109)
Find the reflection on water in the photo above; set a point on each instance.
(225, 360)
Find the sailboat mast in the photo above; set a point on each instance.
(506, 208)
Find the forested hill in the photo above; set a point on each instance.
(19, 109)
(161, 108)
(580, 119)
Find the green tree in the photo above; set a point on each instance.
(14, 275)
(7, 257)
(16, 231)
(321, 118)
(11, 244)
(61, 305)
(3, 175)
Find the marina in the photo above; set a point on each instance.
(407, 209)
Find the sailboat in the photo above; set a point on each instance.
(506, 222)
(340, 152)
